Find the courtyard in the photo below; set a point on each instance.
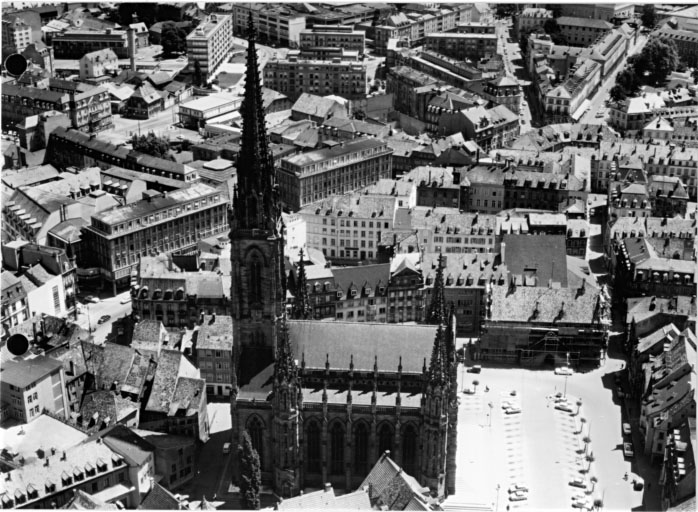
(541, 447)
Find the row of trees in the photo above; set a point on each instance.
(658, 58)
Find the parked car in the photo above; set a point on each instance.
(578, 482)
(513, 410)
(470, 390)
(506, 404)
(104, 318)
(226, 448)
(585, 504)
(626, 429)
(93, 299)
(518, 486)
(564, 370)
(475, 369)
(564, 407)
(518, 496)
(628, 450)
(126, 300)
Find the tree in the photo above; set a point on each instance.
(658, 58)
(649, 16)
(250, 473)
(523, 44)
(617, 93)
(476, 383)
(173, 39)
(553, 30)
(557, 10)
(198, 75)
(151, 145)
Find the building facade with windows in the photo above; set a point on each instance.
(317, 175)
(274, 23)
(160, 223)
(294, 76)
(214, 353)
(333, 36)
(463, 45)
(73, 44)
(16, 34)
(210, 43)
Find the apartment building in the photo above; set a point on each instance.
(178, 290)
(18, 103)
(333, 36)
(68, 148)
(210, 43)
(98, 65)
(531, 19)
(412, 90)
(414, 28)
(15, 306)
(214, 353)
(73, 44)
(158, 223)
(294, 76)
(316, 175)
(605, 12)
(678, 477)
(463, 45)
(16, 34)
(362, 293)
(686, 42)
(274, 23)
(582, 31)
(32, 385)
(568, 101)
(347, 228)
(489, 128)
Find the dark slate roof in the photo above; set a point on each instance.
(314, 340)
(546, 254)
(361, 277)
(129, 445)
(147, 331)
(159, 498)
(110, 407)
(385, 478)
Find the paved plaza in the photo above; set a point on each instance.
(541, 447)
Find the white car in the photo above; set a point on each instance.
(518, 496)
(513, 410)
(126, 300)
(518, 487)
(564, 370)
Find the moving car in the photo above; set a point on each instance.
(564, 370)
(628, 450)
(104, 318)
(578, 482)
(626, 429)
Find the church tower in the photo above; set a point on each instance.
(287, 402)
(435, 411)
(258, 287)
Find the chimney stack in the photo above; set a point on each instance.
(132, 47)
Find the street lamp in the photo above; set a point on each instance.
(490, 419)
(567, 374)
(497, 506)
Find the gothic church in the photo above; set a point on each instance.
(323, 400)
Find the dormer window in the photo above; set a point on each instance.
(340, 294)
(352, 293)
(101, 465)
(66, 479)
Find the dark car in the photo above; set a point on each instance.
(104, 318)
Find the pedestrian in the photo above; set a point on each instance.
(626, 476)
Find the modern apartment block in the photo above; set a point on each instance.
(158, 223)
(316, 175)
(333, 36)
(274, 22)
(16, 34)
(210, 43)
(32, 385)
(294, 76)
(463, 45)
(73, 44)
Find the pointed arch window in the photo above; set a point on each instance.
(409, 450)
(255, 279)
(255, 428)
(361, 449)
(313, 446)
(385, 439)
(337, 449)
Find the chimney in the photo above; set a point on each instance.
(132, 47)
(328, 487)
(63, 213)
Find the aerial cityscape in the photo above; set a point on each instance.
(348, 255)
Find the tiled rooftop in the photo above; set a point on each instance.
(216, 333)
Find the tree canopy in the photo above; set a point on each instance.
(250, 473)
(173, 39)
(649, 16)
(198, 75)
(651, 66)
(151, 145)
(552, 28)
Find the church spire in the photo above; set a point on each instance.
(285, 368)
(436, 314)
(301, 306)
(438, 373)
(257, 204)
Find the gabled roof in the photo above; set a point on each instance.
(159, 498)
(385, 478)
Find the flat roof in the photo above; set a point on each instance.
(23, 372)
(212, 101)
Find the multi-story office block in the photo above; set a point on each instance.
(463, 45)
(73, 44)
(316, 175)
(210, 43)
(274, 22)
(333, 36)
(158, 223)
(16, 34)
